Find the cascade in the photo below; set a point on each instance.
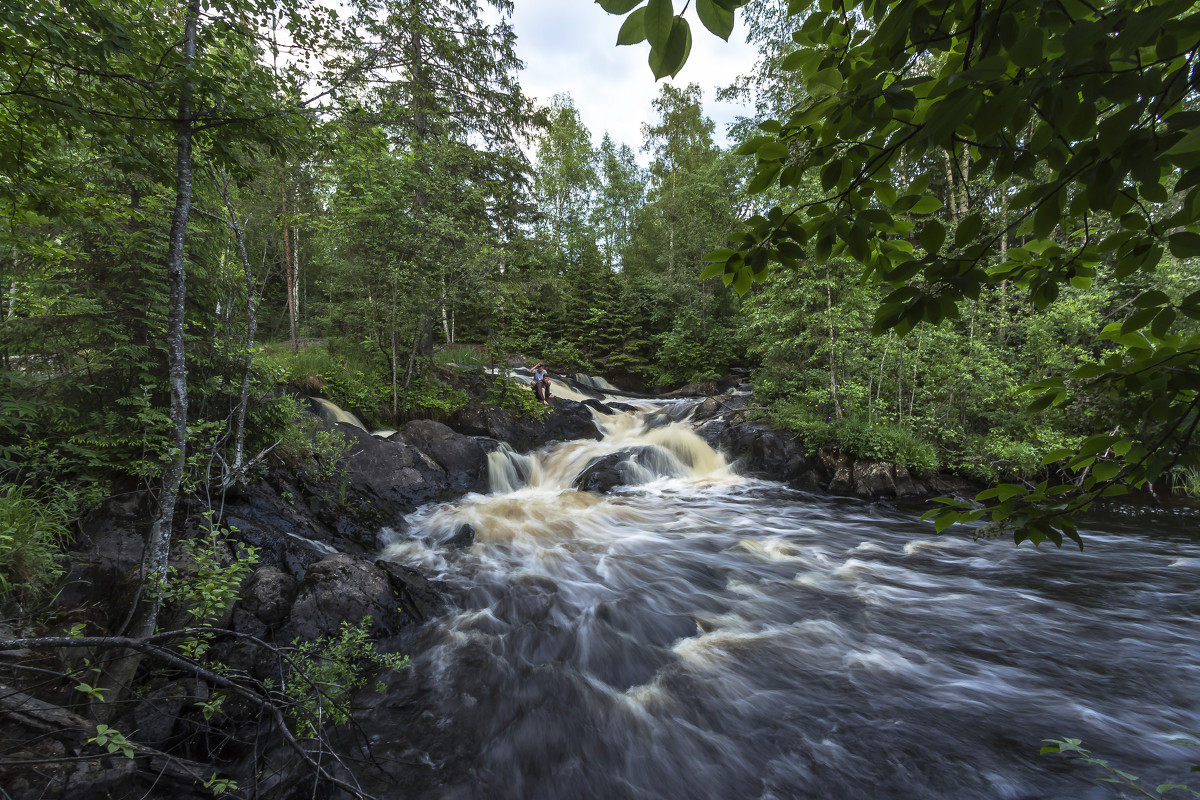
(697, 634)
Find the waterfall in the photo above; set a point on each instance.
(645, 453)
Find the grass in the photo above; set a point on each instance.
(465, 355)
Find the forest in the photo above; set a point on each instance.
(341, 205)
(956, 237)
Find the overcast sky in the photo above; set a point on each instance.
(569, 46)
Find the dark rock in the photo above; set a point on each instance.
(341, 588)
(156, 714)
(711, 432)
(568, 420)
(268, 595)
(627, 467)
(842, 481)
(604, 473)
(725, 406)
(907, 485)
(284, 531)
(420, 597)
(728, 382)
(763, 452)
(621, 407)
(461, 457)
(598, 406)
(109, 548)
(882, 479)
(392, 476)
(952, 486)
(832, 460)
(704, 389)
(810, 480)
(872, 479)
(464, 536)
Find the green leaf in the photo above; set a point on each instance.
(825, 83)
(658, 24)
(772, 151)
(741, 284)
(1027, 51)
(1057, 455)
(713, 270)
(932, 236)
(671, 59)
(1151, 297)
(717, 19)
(634, 28)
(926, 205)
(618, 6)
(722, 255)
(1185, 244)
(968, 229)
(1162, 323)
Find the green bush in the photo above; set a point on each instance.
(880, 441)
(324, 675)
(806, 420)
(811, 419)
(33, 530)
(342, 377)
(436, 397)
(517, 397)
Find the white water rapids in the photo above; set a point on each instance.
(701, 635)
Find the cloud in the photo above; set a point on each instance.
(569, 46)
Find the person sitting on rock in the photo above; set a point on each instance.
(541, 383)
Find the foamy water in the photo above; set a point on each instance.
(700, 635)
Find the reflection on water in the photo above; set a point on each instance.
(704, 636)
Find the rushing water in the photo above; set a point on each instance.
(707, 636)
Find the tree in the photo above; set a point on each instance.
(1090, 113)
(622, 191)
(564, 178)
(129, 86)
(690, 207)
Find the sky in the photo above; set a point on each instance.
(569, 46)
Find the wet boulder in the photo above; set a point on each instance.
(341, 588)
(729, 407)
(419, 596)
(266, 597)
(462, 458)
(568, 420)
(763, 452)
(628, 467)
(399, 472)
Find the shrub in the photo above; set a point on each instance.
(880, 441)
(33, 530)
(517, 397)
(324, 675)
(436, 397)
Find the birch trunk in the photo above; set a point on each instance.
(158, 545)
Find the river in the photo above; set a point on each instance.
(703, 635)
